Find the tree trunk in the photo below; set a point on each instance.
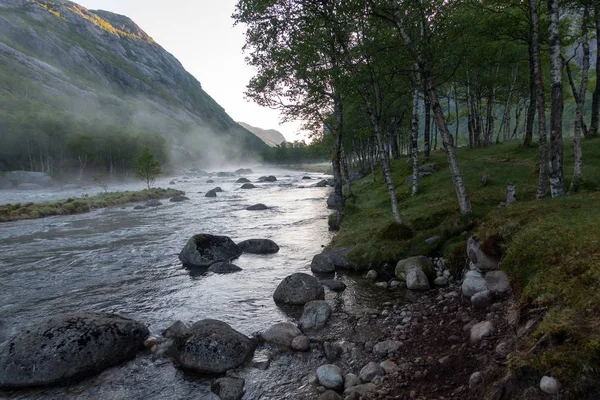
(557, 184)
(336, 159)
(596, 97)
(490, 119)
(461, 193)
(532, 94)
(457, 117)
(540, 98)
(414, 133)
(580, 98)
(427, 132)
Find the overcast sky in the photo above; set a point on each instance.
(201, 35)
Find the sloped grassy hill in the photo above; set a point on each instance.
(96, 64)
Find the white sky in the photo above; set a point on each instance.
(200, 34)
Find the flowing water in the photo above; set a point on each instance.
(122, 260)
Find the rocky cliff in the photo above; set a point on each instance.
(271, 137)
(101, 65)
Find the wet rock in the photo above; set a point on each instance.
(269, 178)
(417, 280)
(211, 193)
(321, 184)
(360, 390)
(214, 347)
(306, 177)
(68, 347)
(329, 395)
(421, 263)
(203, 250)
(217, 189)
(475, 380)
(259, 246)
(228, 388)
(480, 331)
(482, 300)
(473, 283)
(315, 316)
(482, 261)
(282, 334)
(330, 376)
(334, 285)
(210, 181)
(330, 260)
(248, 186)
(372, 274)
(351, 380)
(177, 330)
(498, 283)
(224, 268)
(178, 199)
(150, 342)
(299, 289)
(386, 347)
(166, 348)
(243, 180)
(153, 203)
(257, 207)
(370, 371)
(549, 385)
(140, 207)
(301, 343)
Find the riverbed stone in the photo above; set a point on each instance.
(361, 390)
(248, 186)
(370, 371)
(480, 331)
(497, 281)
(441, 281)
(482, 300)
(299, 289)
(243, 180)
(351, 380)
(329, 395)
(315, 316)
(257, 207)
(259, 246)
(269, 178)
(417, 280)
(321, 184)
(223, 268)
(203, 250)
(334, 285)
(177, 330)
(421, 263)
(68, 347)
(386, 347)
(330, 260)
(217, 189)
(282, 334)
(178, 199)
(388, 366)
(211, 193)
(330, 376)
(213, 347)
(301, 343)
(153, 203)
(229, 388)
(482, 261)
(473, 283)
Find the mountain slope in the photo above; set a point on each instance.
(100, 66)
(271, 137)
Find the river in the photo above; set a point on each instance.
(121, 260)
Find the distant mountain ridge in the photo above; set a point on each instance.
(102, 65)
(271, 137)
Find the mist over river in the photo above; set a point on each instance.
(121, 260)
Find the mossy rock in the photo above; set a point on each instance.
(419, 262)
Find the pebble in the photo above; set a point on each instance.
(549, 385)
(475, 379)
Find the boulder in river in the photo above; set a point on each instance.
(330, 260)
(228, 388)
(330, 376)
(223, 268)
(282, 334)
(243, 180)
(203, 250)
(248, 186)
(299, 289)
(178, 199)
(68, 347)
(153, 203)
(306, 177)
(213, 347)
(243, 171)
(257, 207)
(315, 316)
(269, 178)
(211, 193)
(259, 246)
(216, 190)
(321, 184)
(334, 285)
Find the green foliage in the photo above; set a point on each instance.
(146, 167)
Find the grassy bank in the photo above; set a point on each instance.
(550, 248)
(15, 212)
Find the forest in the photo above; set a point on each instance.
(377, 73)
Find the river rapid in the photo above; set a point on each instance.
(121, 260)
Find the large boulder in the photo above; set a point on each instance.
(282, 333)
(248, 186)
(421, 263)
(257, 207)
(203, 250)
(315, 315)
(213, 347)
(330, 260)
(482, 261)
(299, 289)
(20, 177)
(211, 193)
(259, 246)
(68, 347)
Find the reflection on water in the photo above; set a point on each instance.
(125, 261)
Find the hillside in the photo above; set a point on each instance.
(271, 137)
(95, 73)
